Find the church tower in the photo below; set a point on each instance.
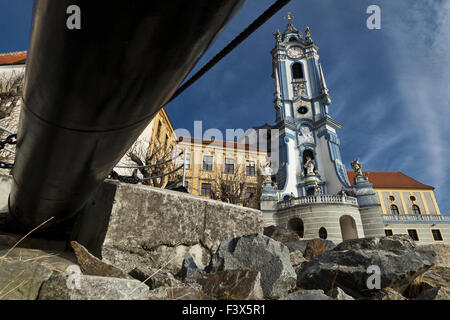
(309, 156)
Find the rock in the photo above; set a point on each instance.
(439, 293)
(339, 294)
(178, 292)
(442, 253)
(307, 295)
(387, 294)
(297, 258)
(301, 245)
(398, 241)
(314, 248)
(21, 280)
(239, 284)
(141, 226)
(281, 234)
(154, 278)
(93, 266)
(436, 276)
(189, 270)
(93, 288)
(398, 268)
(260, 253)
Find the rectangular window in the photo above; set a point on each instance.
(229, 165)
(206, 189)
(207, 163)
(388, 232)
(251, 192)
(437, 235)
(250, 169)
(413, 234)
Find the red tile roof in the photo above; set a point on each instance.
(390, 179)
(13, 58)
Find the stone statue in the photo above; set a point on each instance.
(306, 136)
(278, 35)
(307, 33)
(267, 173)
(299, 89)
(309, 166)
(357, 167)
(317, 190)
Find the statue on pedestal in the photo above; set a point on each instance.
(267, 173)
(317, 191)
(357, 167)
(309, 166)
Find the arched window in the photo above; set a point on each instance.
(292, 39)
(394, 209)
(416, 209)
(297, 70)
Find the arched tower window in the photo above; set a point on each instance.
(416, 209)
(394, 209)
(297, 70)
(292, 39)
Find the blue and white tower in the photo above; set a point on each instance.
(309, 153)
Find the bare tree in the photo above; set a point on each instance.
(161, 154)
(237, 187)
(11, 89)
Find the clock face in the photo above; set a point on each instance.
(295, 52)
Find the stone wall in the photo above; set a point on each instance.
(136, 225)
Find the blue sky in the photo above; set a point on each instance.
(389, 87)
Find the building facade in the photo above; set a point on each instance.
(314, 194)
(223, 170)
(408, 207)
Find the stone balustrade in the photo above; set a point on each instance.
(319, 199)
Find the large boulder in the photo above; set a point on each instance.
(400, 241)
(239, 284)
(260, 253)
(20, 280)
(154, 278)
(281, 234)
(179, 291)
(314, 248)
(436, 276)
(349, 269)
(190, 270)
(387, 294)
(438, 293)
(92, 288)
(297, 258)
(301, 245)
(307, 295)
(93, 266)
(442, 253)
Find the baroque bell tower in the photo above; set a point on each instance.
(309, 157)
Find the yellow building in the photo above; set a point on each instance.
(408, 206)
(223, 170)
(153, 145)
